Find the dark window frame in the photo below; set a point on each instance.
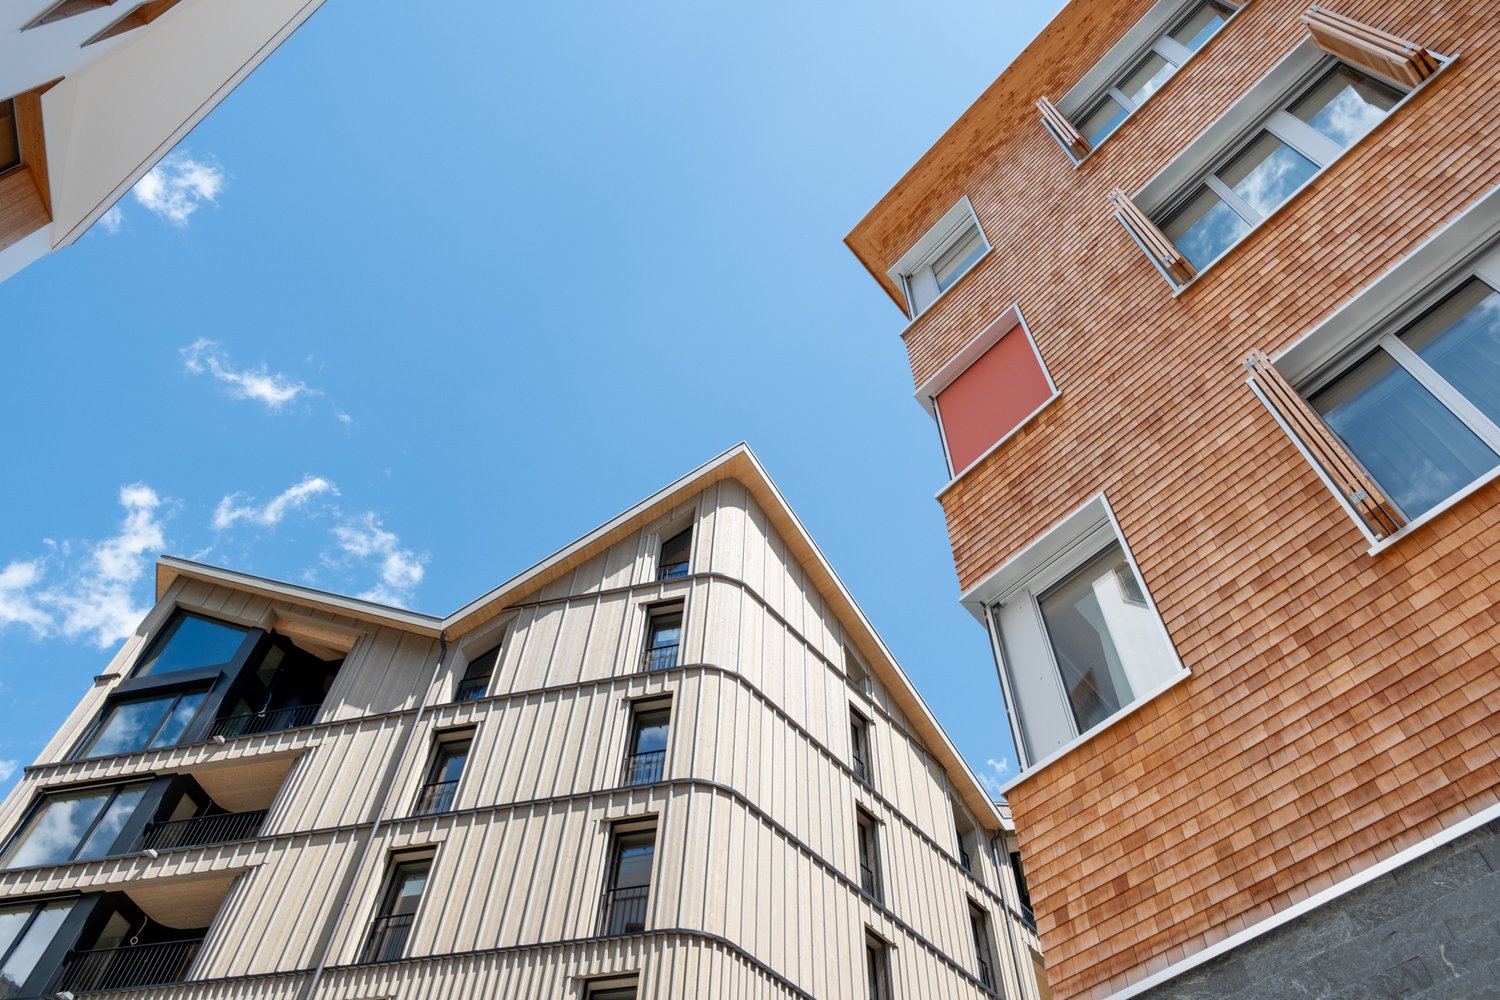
(40, 802)
(861, 760)
(678, 568)
(435, 796)
(615, 910)
(384, 929)
(653, 656)
(867, 846)
(645, 772)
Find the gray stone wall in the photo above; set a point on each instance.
(1428, 931)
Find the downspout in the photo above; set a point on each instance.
(346, 893)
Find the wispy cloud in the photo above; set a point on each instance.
(8, 768)
(272, 389)
(112, 220)
(994, 775)
(400, 570)
(95, 600)
(232, 510)
(179, 185)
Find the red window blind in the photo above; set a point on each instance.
(1004, 386)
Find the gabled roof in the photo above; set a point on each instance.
(738, 463)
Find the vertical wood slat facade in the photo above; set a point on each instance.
(1342, 706)
(755, 888)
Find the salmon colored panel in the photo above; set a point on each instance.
(991, 398)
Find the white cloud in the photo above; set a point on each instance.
(230, 510)
(178, 186)
(400, 570)
(344, 418)
(97, 600)
(274, 390)
(112, 220)
(7, 768)
(994, 775)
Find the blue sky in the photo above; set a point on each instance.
(430, 296)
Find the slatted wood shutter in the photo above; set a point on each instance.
(1066, 134)
(1304, 423)
(1162, 251)
(1376, 52)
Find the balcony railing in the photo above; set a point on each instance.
(435, 797)
(623, 911)
(234, 726)
(671, 571)
(861, 769)
(869, 881)
(964, 859)
(985, 976)
(128, 966)
(1027, 915)
(473, 688)
(387, 941)
(202, 830)
(644, 768)
(659, 658)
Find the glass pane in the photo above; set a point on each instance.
(1461, 340)
(10, 146)
(1204, 228)
(1107, 648)
(409, 882)
(633, 854)
(58, 827)
(1200, 26)
(1146, 78)
(1102, 120)
(1345, 105)
(451, 760)
(177, 722)
(1267, 173)
(666, 631)
(28, 951)
(1416, 449)
(102, 840)
(129, 726)
(12, 923)
(651, 731)
(953, 262)
(193, 643)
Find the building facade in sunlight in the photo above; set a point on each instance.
(1204, 302)
(94, 92)
(671, 760)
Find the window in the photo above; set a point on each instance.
(877, 971)
(398, 908)
(10, 138)
(451, 753)
(74, 825)
(1278, 157)
(854, 667)
(646, 760)
(859, 746)
(143, 723)
(1077, 638)
(1150, 69)
(940, 258)
(672, 561)
(1023, 891)
(663, 638)
(25, 932)
(979, 922)
(869, 855)
(192, 642)
(612, 989)
(476, 680)
(623, 909)
(964, 831)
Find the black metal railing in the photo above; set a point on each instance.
(644, 768)
(202, 830)
(659, 658)
(128, 966)
(623, 911)
(671, 571)
(1028, 916)
(435, 797)
(473, 688)
(233, 726)
(387, 940)
(861, 769)
(964, 859)
(869, 881)
(985, 976)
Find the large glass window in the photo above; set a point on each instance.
(192, 642)
(476, 679)
(143, 723)
(71, 826)
(646, 760)
(947, 252)
(449, 758)
(625, 897)
(1421, 411)
(663, 638)
(1282, 154)
(672, 561)
(25, 932)
(398, 908)
(869, 854)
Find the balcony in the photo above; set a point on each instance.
(672, 571)
(472, 688)
(201, 831)
(623, 911)
(435, 797)
(644, 768)
(234, 726)
(128, 966)
(388, 936)
(659, 658)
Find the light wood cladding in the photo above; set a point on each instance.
(64, 9)
(1155, 242)
(1377, 52)
(1342, 706)
(1063, 130)
(25, 194)
(137, 18)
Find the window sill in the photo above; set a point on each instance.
(933, 305)
(1441, 508)
(1078, 741)
(996, 446)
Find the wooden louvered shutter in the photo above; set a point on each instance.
(1162, 251)
(1380, 516)
(1066, 134)
(1376, 52)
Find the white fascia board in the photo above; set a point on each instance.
(24, 251)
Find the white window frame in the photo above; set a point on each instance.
(1149, 35)
(1240, 125)
(1061, 550)
(915, 266)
